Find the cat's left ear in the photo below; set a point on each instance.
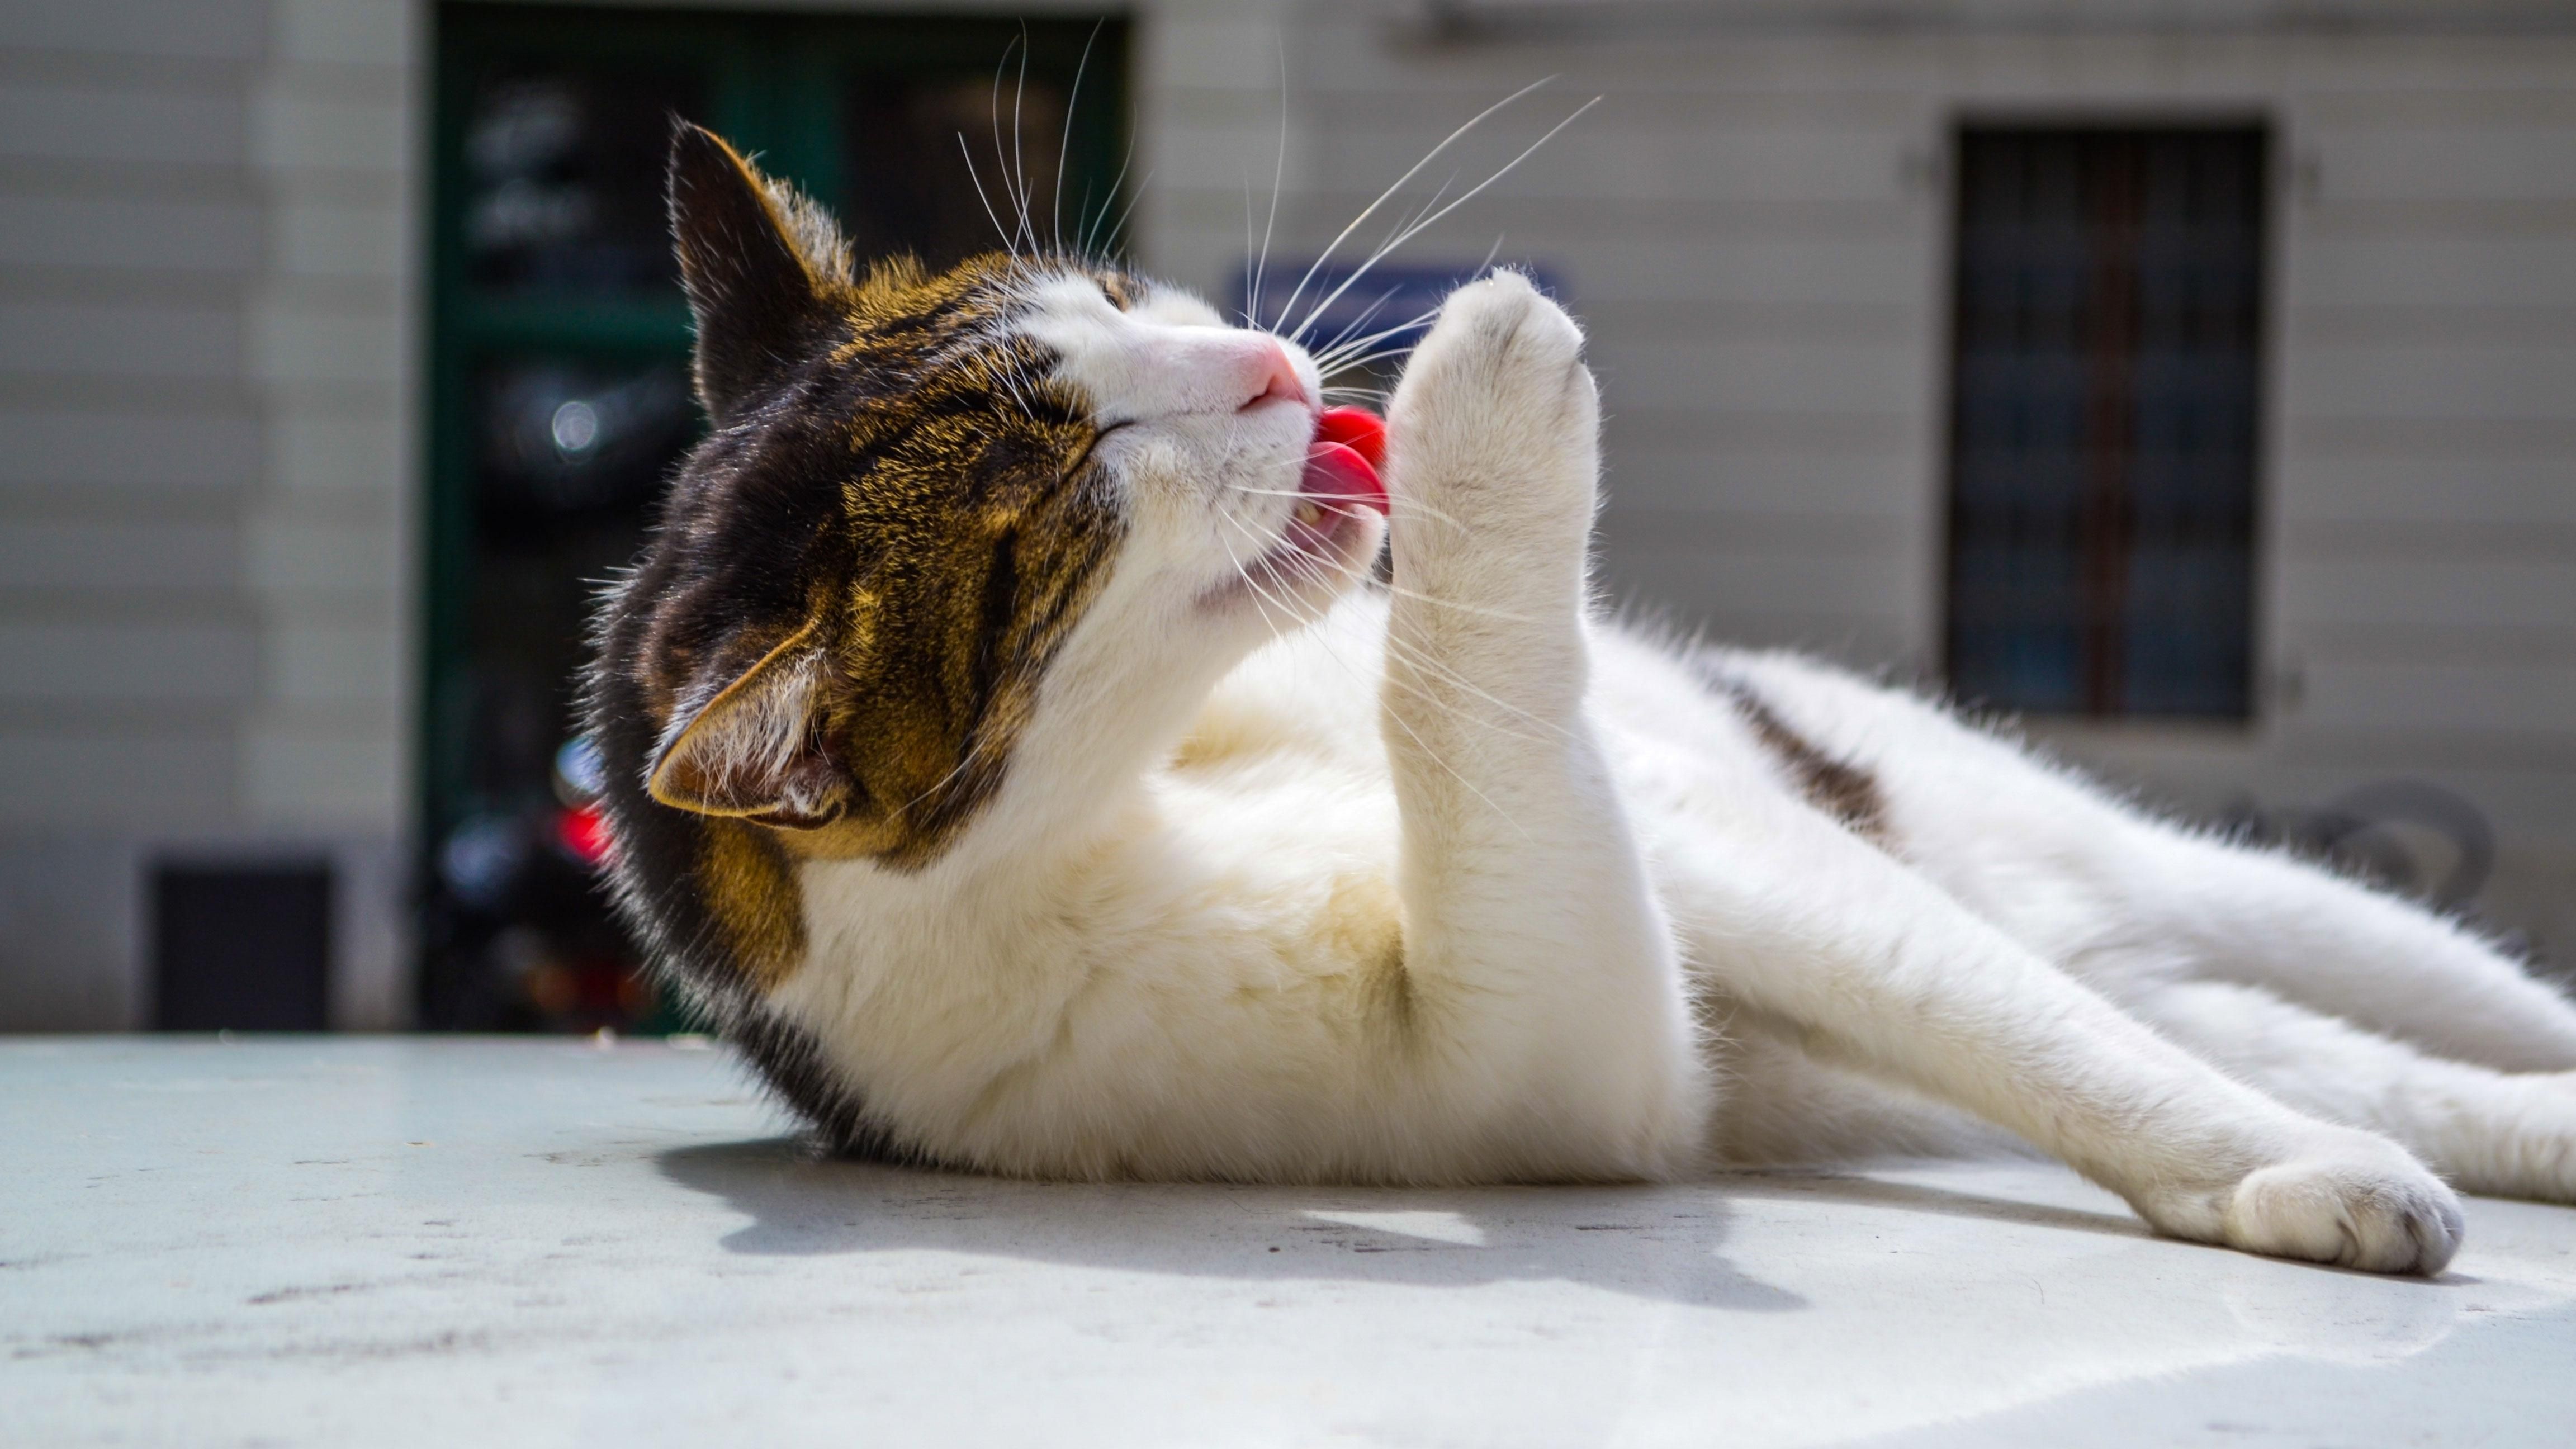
(757, 262)
(755, 751)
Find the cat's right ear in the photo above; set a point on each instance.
(753, 750)
(752, 290)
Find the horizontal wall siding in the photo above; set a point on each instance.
(205, 386)
(130, 246)
(2424, 596)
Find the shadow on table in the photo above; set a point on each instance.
(1948, 1202)
(1648, 1241)
(1659, 1242)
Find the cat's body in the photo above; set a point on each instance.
(1259, 872)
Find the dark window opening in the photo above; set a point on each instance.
(560, 389)
(2103, 432)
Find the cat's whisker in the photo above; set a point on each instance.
(1081, 220)
(973, 175)
(1334, 358)
(1398, 185)
(1019, 93)
(1393, 232)
(1412, 506)
(1260, 594)
(1344, 508)
(1442, 761)
(1434, 218)
(1250, 298)
(1312, 316)
(1385, 677)
(1463, 607)
(1308, 568)
(974, 751)
(1357, 351)
(1278, 176)
(1121, 224)
(1356, 323)
(1340, 353)
(1261, 597)
(1451, 710)
(1340, 349)
(1313, 570)
(1422, 660)
(1366, 359)
(1064, 139)
(1013, 377)
(1091, 244)
(1001, 161)
(1417, 659)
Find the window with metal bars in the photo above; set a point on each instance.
(2107, 319)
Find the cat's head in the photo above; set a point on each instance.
(931, 501)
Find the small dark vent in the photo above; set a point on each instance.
(242, 947)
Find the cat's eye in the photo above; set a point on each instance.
(1117, 294)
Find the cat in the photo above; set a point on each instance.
(1014, 746)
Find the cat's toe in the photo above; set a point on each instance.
(1496, 420)
(1502, 347)
(1505, 312)
(2362, 1204)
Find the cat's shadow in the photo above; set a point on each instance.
(1653, 1242)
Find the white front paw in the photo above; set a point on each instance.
(2352, 1199)
(1496, 419)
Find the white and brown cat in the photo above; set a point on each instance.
(1011, 751)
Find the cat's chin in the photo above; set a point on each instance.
(1327, 543)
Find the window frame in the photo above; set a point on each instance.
(774, 87)
(2264, 360)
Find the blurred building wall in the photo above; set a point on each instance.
(206, 465)
(210, 295)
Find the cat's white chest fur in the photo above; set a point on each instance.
(1231, 927)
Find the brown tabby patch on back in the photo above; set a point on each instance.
(1845, 791)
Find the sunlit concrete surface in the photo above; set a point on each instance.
(364, 1242)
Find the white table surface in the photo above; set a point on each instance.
(369, 1241)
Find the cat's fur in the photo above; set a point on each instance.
(997, 756)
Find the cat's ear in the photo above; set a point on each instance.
(757, 262)
(755, 750)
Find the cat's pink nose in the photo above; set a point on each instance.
(1277, 377)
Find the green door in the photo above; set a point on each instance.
(559, 396)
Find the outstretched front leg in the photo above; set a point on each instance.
(1544, 973)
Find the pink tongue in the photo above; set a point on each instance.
(1336, 471)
